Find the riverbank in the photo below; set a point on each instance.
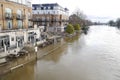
(23, 60)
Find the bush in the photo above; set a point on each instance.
(70, 29)
(77, 27)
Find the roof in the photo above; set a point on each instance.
(66, 9)
(45, 5)
(49, 5)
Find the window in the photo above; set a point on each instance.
(19, 13)
(9, 24)
(42, 8)
(37, 12)
(8, 12)
(19, 1)
(4, 40)
(46, 8)
(48, 12)
(51, 7)
(20, 25)
(33, 8)
(12, 39)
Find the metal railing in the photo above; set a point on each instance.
(20, 17)
(8, 16)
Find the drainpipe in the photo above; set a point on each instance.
(2, 14)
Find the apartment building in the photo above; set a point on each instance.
(15, 21)
(53, 16)
(15, 15)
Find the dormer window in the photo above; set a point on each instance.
(42, 8)
(51, 7)
(46, 8)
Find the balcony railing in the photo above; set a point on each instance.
(8, 16)
(37, 20)
(30, 18)
(63, 20)
(56, 20)
(20, 17)
(50, 20)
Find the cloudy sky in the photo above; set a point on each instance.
(96, 10)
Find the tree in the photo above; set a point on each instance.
(70, 29)
(111, 23)
(78, 17)
(77, 27)
(118, 22)
(80, 14)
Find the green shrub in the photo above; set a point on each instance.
(70, 29)
(77, 27)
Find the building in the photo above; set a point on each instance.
(15, 15)
(52, 16)
(16, 26)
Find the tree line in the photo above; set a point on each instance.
(114, 23)
(77, 21)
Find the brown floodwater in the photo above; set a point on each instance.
(95, 56)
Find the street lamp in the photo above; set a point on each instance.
(35, 35)
(35, 44)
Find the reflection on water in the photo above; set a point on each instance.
(55, 55)
(24, 73)
(94, 56)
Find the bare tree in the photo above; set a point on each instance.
(78, 17)
(80, 14)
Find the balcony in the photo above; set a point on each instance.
(64, 20)
(45, 20)
(37, 20)
(8, 16)
(20, 17)
(30, 18)
(56, 20)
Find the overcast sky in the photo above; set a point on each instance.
(96, 10)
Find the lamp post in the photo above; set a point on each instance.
(35, 35)
(35, 44)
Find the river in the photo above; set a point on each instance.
(95, 56)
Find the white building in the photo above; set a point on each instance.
(52, 16)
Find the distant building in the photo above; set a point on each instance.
(52, 16)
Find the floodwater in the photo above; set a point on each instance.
(95, 56)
